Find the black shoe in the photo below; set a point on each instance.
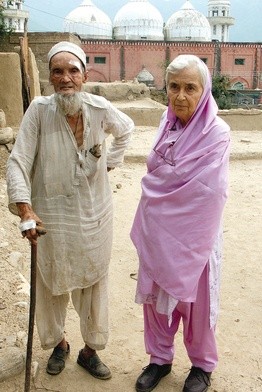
(56, 362)
(94, 366)
(151, 376)
(197, 381)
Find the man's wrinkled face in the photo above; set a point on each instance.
(67, 73)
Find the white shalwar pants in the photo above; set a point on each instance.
(90, 303)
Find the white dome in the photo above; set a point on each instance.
(187, 24)
(88, 21)
(138, 20)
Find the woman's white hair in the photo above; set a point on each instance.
(187, 61)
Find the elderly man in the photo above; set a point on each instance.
(58, 174)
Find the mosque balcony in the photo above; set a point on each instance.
(221, 20)
(16, 14)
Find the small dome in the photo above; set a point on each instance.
(187, 24)
(138, 20)
(146, 77)
(88, 21)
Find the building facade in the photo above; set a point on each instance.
(139, 44)
(140, 41)
(109, 61)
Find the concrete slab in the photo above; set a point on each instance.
(144, 112)
(245, 144)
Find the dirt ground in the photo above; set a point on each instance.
(239, 326)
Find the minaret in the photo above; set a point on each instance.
(14, 15)
(220, 19)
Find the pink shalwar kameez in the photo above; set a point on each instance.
(177, 233)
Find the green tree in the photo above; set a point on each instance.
(220, 86)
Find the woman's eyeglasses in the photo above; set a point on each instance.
(165, 149)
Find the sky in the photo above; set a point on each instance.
(48, 15)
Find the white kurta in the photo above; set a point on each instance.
(68, 187)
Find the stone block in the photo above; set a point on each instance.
(6, 135)
(11, 100)
(12, 362)
(2, 119)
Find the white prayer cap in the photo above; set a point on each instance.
(65, 46)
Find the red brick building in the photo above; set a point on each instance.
(123, 60)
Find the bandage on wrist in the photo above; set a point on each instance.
(27, 225)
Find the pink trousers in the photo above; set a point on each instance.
(199, 338)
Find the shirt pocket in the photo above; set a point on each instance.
(91, 165)
(59, 180)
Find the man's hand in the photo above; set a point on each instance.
(28, 218)
(96, 150)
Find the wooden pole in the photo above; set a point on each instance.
(24, 55)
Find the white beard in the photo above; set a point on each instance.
(69, 104)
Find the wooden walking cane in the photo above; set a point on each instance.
(24, 54)
(40, 231)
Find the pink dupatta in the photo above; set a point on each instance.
(182, 201)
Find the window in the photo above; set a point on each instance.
(239, 61)
(238, 86)
(87, 59)
(204, 59)
(100, 60)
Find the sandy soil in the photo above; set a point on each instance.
(239, 327)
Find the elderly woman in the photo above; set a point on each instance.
(177, 227)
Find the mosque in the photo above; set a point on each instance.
(140, 20)
(138, 43)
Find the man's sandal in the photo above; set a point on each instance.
(56, 362)
(94, 366)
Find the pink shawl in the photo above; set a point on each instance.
(183, 196)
